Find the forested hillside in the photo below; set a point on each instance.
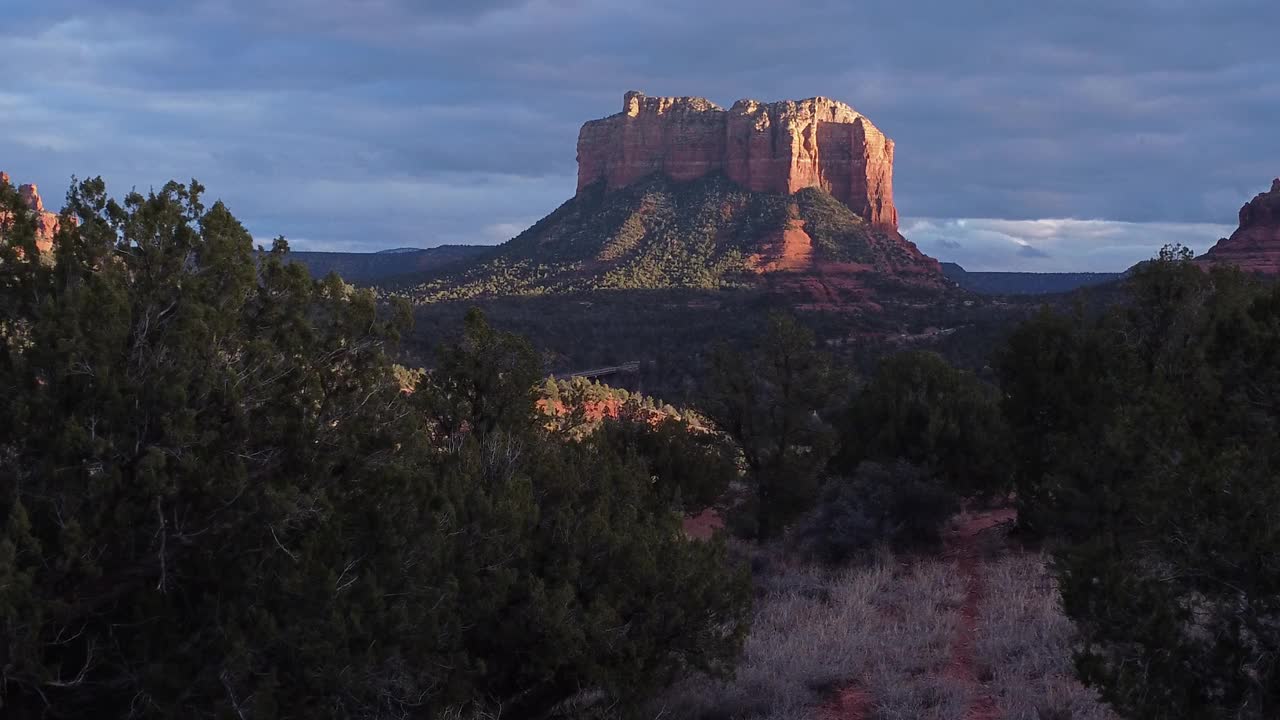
(662, 234)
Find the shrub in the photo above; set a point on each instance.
(690, 468)
(900, 505)
(920, 409)
(767, 400)
(814, 631)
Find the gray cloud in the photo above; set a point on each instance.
(377, 123)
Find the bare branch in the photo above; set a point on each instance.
(162, 586)
(281, 545)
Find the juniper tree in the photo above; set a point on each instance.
(919, 409)
(767, 399)
(1152, 460)
(216, 499)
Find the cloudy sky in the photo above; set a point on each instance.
(1030, 134)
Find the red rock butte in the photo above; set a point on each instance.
(779, 147)
(1255, 245)
(46, 222)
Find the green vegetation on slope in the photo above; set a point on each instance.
(659, 234)
(656, 234)
(841, 235)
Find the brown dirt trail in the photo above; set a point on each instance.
(963, 545)
(851, 703)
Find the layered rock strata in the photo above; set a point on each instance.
(779, 147)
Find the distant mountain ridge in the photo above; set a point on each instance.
(1024, 283)
(390, 251)
(372, 267)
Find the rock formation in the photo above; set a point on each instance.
(794, 198)
(1255, 245)
(776, 147)
(46, 222)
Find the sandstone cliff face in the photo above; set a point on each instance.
(1255, 245)
(779, 147)
(46, 222)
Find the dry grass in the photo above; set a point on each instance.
(890, 629)
(1024, 645)
(815, 630)
(912, 646)
(922, 697)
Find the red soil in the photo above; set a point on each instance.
(703, 525)
(788, 250)
(851, 703)
(797, 247)
(962, 545)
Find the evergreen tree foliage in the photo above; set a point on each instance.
(486, 381)
(218, 498)
(689, 464)
(919, 409)
(1149, 445)
(897, 504)
(690, 467)
(767, 399)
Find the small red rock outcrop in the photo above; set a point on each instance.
(778, 147)
(1255, 245)
(46, 222)
(789, 249)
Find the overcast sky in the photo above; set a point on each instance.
(1030, 134)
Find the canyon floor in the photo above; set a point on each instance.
(974, 632)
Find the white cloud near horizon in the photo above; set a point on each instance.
(1054, 244)
(977, 244)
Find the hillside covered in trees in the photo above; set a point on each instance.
(703, 234)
